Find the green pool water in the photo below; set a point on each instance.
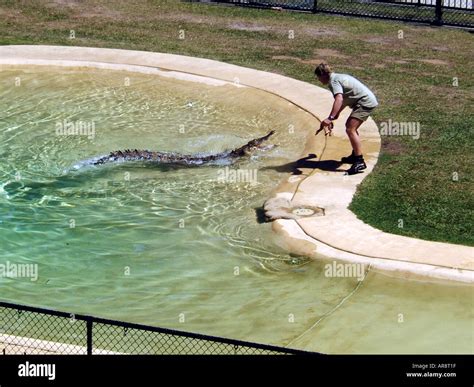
(179, 247)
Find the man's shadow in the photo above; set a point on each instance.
(308, 162)
(296, 168)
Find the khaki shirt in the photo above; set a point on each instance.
(353, 91)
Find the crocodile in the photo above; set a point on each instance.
(179, 158)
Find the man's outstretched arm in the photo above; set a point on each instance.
(336, 106)
(336, 110)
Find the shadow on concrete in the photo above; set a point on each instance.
(296, 168)
(307, 162)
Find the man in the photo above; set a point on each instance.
(348, 91)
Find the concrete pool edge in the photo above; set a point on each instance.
(338, 234)
(19, 345)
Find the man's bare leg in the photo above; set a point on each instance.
(352, 126)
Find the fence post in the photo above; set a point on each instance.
(315, 6)
(89, 336)
(439, 13)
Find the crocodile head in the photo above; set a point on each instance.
(255, 144)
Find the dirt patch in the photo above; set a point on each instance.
(328, 52)
(399, 61)
(66, 2)
(287, 57)
(381, 39)
(313, 62)
(440, 48)
(436, 62)
(62, 3)
(321, 55)
(449, 95)
(247, 27)
(275, 47)
(85, 10)
(81, 10)
(318, 32)
(391, 147)
(102, 12)
(11, 14)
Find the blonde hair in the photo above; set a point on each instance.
(322, 69)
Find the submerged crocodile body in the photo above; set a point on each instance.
(181, 159)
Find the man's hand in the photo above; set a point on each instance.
(327, 126)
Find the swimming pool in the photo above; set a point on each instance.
(182, 247)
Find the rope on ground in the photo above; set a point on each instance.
(324, 316)
(313, 171)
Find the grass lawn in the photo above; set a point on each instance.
(426, 182)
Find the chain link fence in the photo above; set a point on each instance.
(448, 12)
(30, 330)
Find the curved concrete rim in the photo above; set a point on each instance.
(334, 231)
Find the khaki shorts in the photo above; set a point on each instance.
(361, 112)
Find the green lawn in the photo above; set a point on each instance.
(426, 182)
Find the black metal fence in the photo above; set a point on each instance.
(438, 12)
(31, 330)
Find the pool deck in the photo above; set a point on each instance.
(333, 232)
(17, 345)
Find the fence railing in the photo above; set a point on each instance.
(31, 330)
(437, 12)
